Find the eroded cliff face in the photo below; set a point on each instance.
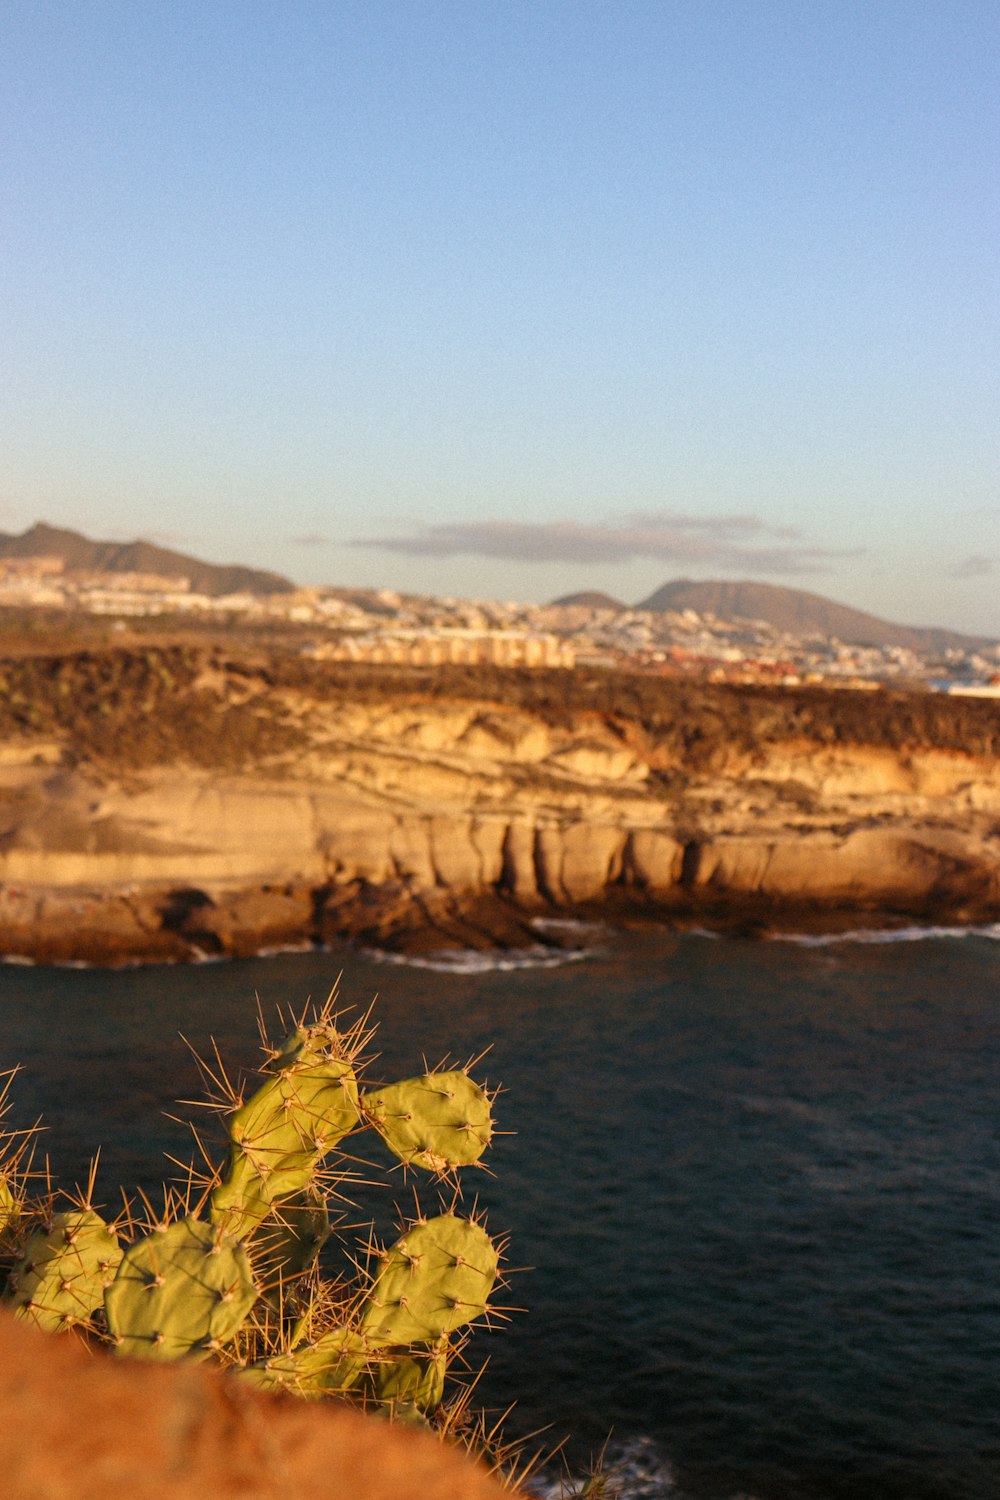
(401, 815)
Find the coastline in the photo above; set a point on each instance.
(173, 805)
(110, 929)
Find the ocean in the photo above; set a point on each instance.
(752, 1188)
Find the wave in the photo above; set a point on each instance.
(878, 936)
(633, 1469)
(571, 926)
(25, 961)
(477, 961)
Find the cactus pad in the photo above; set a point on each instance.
(287, 1246)
(278, 1137)
(241, 1201)
(330, 1364)
(183, 1291)
(436, 1278)
(305, 1110)
(437, 1121)
(412, 1379)
(61, 1277)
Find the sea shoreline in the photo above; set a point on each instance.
(114, 929)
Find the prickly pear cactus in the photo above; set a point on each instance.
(249, 1285)
(60, 1279)
(438, 1121)
(329, 1365)
(241, 1201)
(411, 1378)
(279, 1136)
(436, 1278)
(183, 1291)
(288, 1243)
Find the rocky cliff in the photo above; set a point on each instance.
(160, 803)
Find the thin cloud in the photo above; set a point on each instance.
(744, 542)
(311, 539)
(974, 567)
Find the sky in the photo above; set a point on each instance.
(509, 300)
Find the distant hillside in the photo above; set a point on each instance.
(589, 599)
(800, 613)
(78, 551)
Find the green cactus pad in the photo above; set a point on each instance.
(61, 1277)
(329, 1364)
(241, 1201)
(290, 1242)
(278, 1137)
(183, 1291)
(308, 1042)
(292, 1118)
(437, 1121)
(411, 1379)
(436, 1278)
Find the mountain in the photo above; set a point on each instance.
(801, 613)
(79, 552)
(588, 599)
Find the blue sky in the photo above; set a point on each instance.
(512, 299)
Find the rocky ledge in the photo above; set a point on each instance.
(161, 804)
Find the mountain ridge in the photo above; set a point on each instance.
(800, 612)
(81, 552)
(588, 599)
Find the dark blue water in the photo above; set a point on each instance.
(758, 1183)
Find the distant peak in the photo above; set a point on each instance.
(80, 552)
(797, 612)
(589, 599)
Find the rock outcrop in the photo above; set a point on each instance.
(84, 1426)
(432, 809)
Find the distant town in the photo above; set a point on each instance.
(383, 626)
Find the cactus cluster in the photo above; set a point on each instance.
(236, 1267)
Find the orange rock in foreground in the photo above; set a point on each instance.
(82, 1426)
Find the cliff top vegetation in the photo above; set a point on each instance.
(130, 707)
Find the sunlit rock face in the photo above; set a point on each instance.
(423, 809)
(84, 1426)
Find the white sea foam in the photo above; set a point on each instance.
(634, 1469)
(474, 961)
(879, 936)
(280, 948)
(567, 925)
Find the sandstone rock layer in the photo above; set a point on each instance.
(411, 812)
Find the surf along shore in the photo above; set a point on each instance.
(164, 803)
